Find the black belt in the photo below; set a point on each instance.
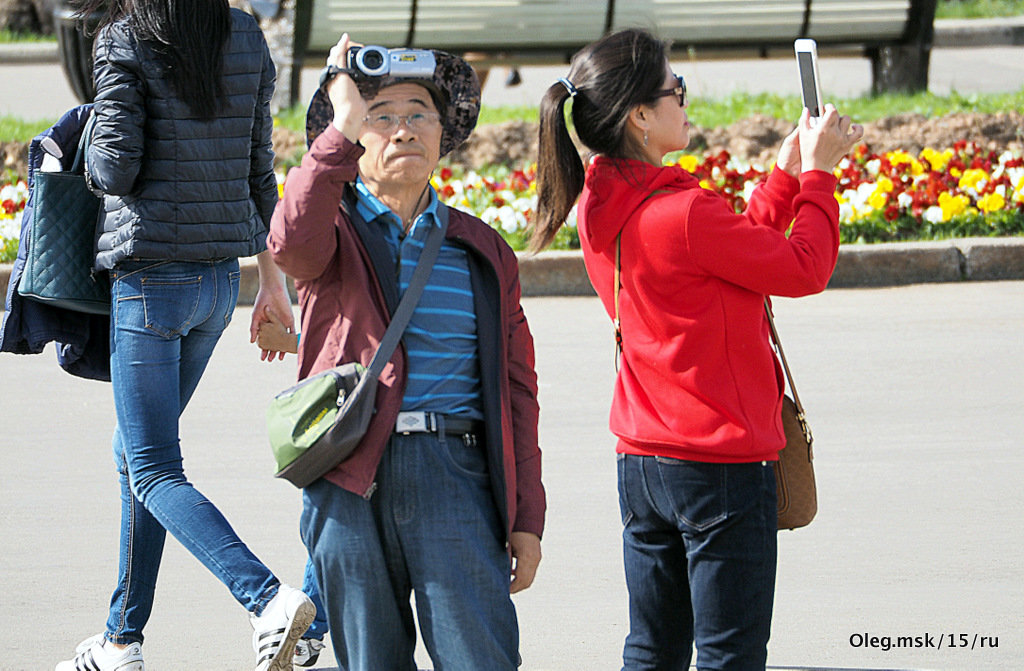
(432, 422)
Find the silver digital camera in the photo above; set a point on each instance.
(375, 61)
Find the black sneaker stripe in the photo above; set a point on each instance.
(275, 632)
(86, 662)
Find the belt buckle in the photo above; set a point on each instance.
(412, 422)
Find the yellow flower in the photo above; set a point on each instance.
(705, 184)
(952, 205)
(991, 202)
(900, 157)
(877, 199)
(884, 185)
(971, 178)
(937, 160)
(688, 162)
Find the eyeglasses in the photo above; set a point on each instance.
(679, 91)
(386, 123)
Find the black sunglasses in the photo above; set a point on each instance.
(678, 91)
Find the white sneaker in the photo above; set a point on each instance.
(307, 651)
(275, 632)
(97, 654)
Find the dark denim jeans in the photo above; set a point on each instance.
(166, 318)
(699, 543)
(432, 529)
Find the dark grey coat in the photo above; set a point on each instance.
(176, 187)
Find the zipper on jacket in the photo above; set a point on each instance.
(370, 490)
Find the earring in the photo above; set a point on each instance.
(645, 138)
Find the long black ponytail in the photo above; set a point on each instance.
(607, 79)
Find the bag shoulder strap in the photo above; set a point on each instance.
(801, 417)
(617, 322)
(412, 294)
(782, 356)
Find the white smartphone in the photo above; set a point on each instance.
(810, 85)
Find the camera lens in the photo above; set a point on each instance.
(373, 60)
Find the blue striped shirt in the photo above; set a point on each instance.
(440, 340)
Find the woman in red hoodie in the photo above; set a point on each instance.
(698, 396)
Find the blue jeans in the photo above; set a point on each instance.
(699, 544)
(318, 629)
(432, 528)
(166, 318)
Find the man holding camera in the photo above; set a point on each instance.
(443, 495)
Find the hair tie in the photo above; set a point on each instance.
(568, 86)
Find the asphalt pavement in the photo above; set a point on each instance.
(913, 394)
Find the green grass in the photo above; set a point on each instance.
(978, 9)
(8, 36)
(16, 129)
(713, 113)
(706, 113)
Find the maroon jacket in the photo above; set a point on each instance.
(346, 305)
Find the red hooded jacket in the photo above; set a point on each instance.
(698, 379)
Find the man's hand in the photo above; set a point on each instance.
(526, 558)
(349, 106)
(271, 297)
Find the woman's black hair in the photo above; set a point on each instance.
(189, 37)
(610, 77)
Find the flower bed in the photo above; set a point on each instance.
(13, 194)
(958, 192)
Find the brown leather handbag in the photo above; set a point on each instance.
(794, 471)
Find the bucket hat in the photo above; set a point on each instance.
(454, 80)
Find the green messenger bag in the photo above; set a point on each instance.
(316, 424)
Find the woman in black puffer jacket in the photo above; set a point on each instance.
(181, 153)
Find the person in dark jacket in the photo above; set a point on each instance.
(181, 153)
(443, 495)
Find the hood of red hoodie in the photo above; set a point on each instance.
(615, 188)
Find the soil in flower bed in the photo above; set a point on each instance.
(758, 138)
(755, 138)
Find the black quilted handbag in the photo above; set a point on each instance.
(62, 238)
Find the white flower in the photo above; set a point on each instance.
(933, 214)
(10, 229)
(845, 211)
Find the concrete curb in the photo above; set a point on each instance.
(1007, 31)
(29, 52)
(948, 33)
(883, 265)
